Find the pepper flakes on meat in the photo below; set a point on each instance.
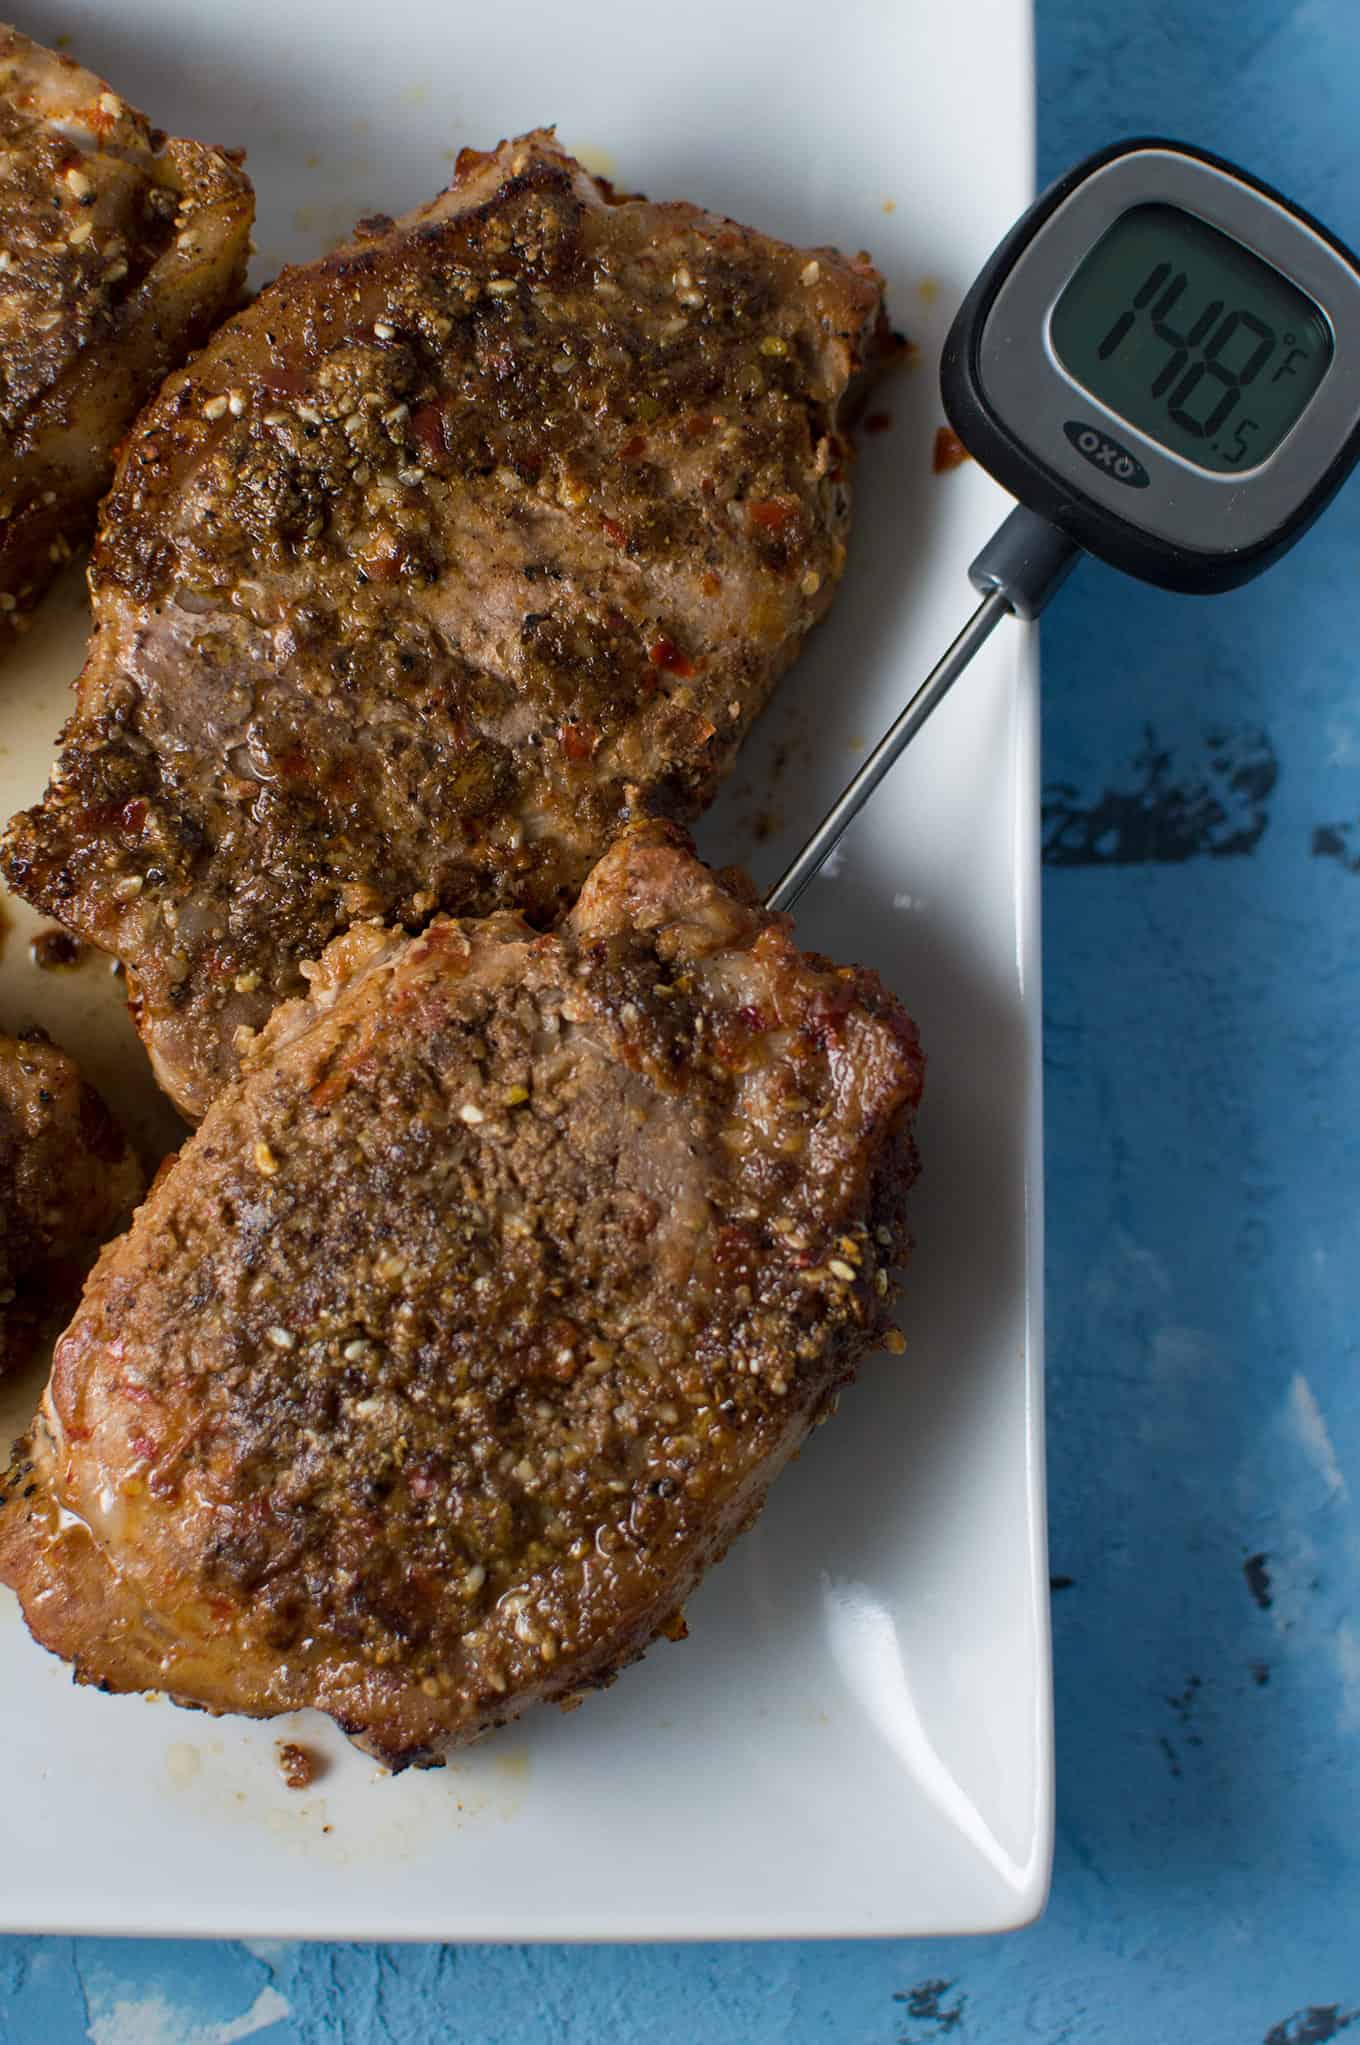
(120, 249)
(448, 1413)
(325, 527)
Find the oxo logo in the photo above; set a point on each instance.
(1106, 454)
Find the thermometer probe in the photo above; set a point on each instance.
(1161, 363)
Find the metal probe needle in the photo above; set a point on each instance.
(994, 607)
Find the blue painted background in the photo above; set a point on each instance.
(1202, 903)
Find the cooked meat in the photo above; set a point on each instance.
(119, 251)
(477, 1316)
(67, 1179)
(450, 553)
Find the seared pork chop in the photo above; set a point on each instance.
(67, 1179)
(451, 552)
(120, 249)
(478, 1315)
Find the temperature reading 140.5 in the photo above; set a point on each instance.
(1192, 338)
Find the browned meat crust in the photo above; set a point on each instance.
(67, 1179)
(476, 1318)
(451, 552)
(119, 251)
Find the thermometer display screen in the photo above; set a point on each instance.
(1191, 338)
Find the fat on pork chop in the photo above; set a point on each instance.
(477, 1316)
(454, 551)
(120, 249)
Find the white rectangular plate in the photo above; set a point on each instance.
(856, 1736)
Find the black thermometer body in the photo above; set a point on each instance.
(1161, 363)
(1162, 359)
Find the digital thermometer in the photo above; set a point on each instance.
(1161, 362)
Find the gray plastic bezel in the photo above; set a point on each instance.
(1034, 395)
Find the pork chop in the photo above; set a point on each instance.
(67, 1179)
(477, 1316)
(455, 549)
(120, 249)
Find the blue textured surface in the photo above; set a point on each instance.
(1202, 906)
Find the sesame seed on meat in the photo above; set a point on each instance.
(476, 1318)
(97, 304)
(452, 553)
